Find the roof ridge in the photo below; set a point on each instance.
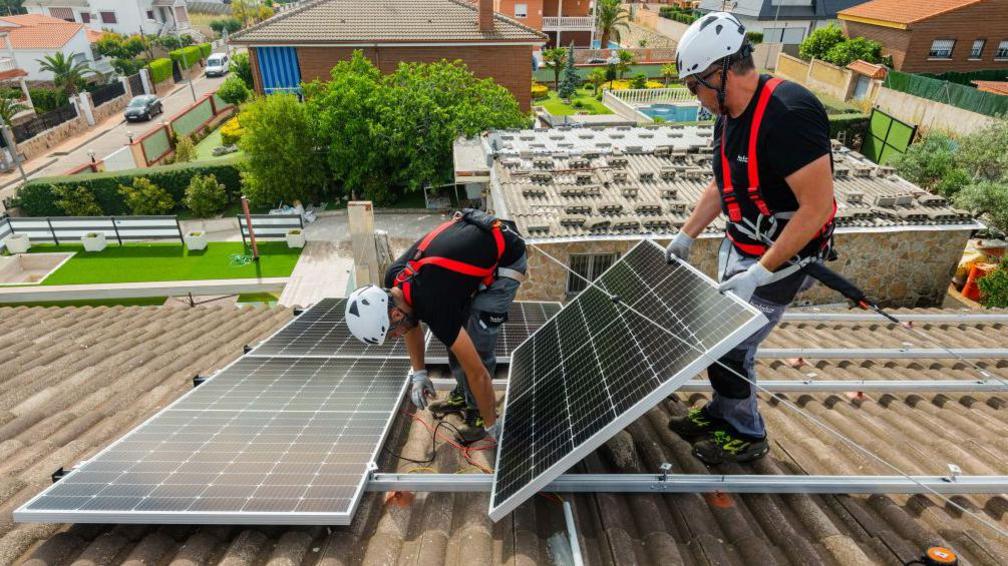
(277, 18)
(472, 5)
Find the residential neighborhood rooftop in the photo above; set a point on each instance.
(426, 21)
(996, 87)
(628, 181)
(35, 31)
(903, 11)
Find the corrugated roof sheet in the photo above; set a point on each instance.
(73, 380)
(626, 181)
(904, 11)
(424, 21)
(36, 31)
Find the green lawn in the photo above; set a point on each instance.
(555, 106)
(652, 70)
(134, 263)
(204, 149)
(135, 302)
(267, 298)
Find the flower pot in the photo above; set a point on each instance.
(18, 243)
(295, 239)
(195, 241)
(93, 241)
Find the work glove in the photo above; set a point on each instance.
(421, 389)
(744, 284)
(679, 247)
(493, 431)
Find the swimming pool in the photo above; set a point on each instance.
(671, 112)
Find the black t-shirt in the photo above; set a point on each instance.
(794, 133)
(441, 297)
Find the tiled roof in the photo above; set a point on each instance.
(996, 87)
(903, 11)
(869, 69)
(627, 181)
(425, 21)
(74, 380)
(93, 35)
(36, 31)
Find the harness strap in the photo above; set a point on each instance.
(753, 164)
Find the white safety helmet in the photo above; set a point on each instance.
(708, 40)
(367, 314)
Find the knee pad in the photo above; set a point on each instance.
(726, 382)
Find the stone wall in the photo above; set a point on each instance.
(52, 137)
(911, 268)
(111, 107)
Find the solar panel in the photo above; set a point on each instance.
(320, 331)
(524, 318)
(598, 365)
(265, 441)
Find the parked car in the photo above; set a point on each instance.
(217, 65)
(143, 108)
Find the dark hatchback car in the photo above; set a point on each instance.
(143, 108)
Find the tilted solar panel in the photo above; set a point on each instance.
(524, 318)
(599, 364)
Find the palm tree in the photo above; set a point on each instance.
(556, 58)
(596, 78)
(9, 107)
(626, 60)
(668, 71)
(68, 72)
(611, 17)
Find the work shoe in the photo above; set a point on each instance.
(454, 403)
(472, 429)
(696, 422)
(728, 446)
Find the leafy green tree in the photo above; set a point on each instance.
(144, 197)
(668, 72)
(596, 78)
(282, 160)
(819, 42)
(994, 287)
(982, 153)
(241, 66)
(230, 24)
(233, 90)
(568, 85)
(611, 19)
(169, 42)
(68, 72)
(846, 52)
(205, 197)
(128, 67)
(11, 7)
(76, 201)
(555, 58)
(626, 60)
(928, 161)
(118, 46)
(988, 200)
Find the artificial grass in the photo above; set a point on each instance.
(133, 302)
(204, 149)
(268, 298)
(555, 106)
(134, 263)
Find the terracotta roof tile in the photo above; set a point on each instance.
(996, 87)
(869, 69)
(426, 21)
(36, 31)
(903, 11)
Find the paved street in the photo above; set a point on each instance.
(112, 134)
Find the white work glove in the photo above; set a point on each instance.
(744, 284)
(421, 389)
(493, 431)
(679, 247)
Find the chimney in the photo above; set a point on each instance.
(485, 10)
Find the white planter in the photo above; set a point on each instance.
(295, 239)
(18, 243)
(93, 243)
(195, 241)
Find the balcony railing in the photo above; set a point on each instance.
(567, 23)
(645, 96)
(7, 64)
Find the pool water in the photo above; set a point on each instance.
(671, 112)
(598, 43)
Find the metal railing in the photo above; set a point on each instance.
(639, 96)
(270, 225)
(567, 23)
(43, 122)
(108, 92)
(63, 229)
(7, 64)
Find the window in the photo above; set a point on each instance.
(976, 52)
(62, 13)
(587, 266)
(521, 10)
(85, 17)
(941, 49)
(150, 14)
(108, 17)
(1002, 50)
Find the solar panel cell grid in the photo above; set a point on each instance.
(524, 318)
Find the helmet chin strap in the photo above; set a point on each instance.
(721, 91)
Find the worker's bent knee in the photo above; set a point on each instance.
(726, 381)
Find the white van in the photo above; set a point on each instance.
(217, 65)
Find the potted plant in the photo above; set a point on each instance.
(195, 240)
(295, 238)
(18, 243)
(93, 241)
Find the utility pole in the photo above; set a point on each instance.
(12, 147)
(185, 61)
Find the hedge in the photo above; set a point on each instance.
(187, 56)
(37, 198)
(205, 50)
(160, 70)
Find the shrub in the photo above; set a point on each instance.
(754, 37)
(185, 150)
(205, 196)
(38, 197)
(241, 66)
(187, 56)
(578, 104)
(538, 91)
(639, 81)
(231, 131)
(610, 72)
(234, 91)
(128, 66)
(994, 287)
(46, 99)
(854, 124)
(230, 24)
(144, 197)
(205, 50)
(76, 201)
(160, 70)
(819, 42)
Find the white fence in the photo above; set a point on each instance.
(624, 109)
(62, 229)
(642, 96)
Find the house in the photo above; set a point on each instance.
(30, 37)
(304, 43)
(586, 195)
(782, 21)
(934, 36)
(563, 21)
(127, 17)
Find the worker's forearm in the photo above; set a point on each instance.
(706, 210)
(415, 346)
(803, 226)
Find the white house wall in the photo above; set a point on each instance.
(28, 59)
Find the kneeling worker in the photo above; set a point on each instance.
(459, 279)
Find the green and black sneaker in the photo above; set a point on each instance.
(454, 403)
(472, 429)
(695, 423)
(727, 446)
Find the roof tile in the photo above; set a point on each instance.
(36, 31)
(903, 11)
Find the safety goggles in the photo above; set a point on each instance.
(702, 80)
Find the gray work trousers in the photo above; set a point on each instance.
(496, 298)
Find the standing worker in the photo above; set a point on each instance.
(773, 179)
(459, 279)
